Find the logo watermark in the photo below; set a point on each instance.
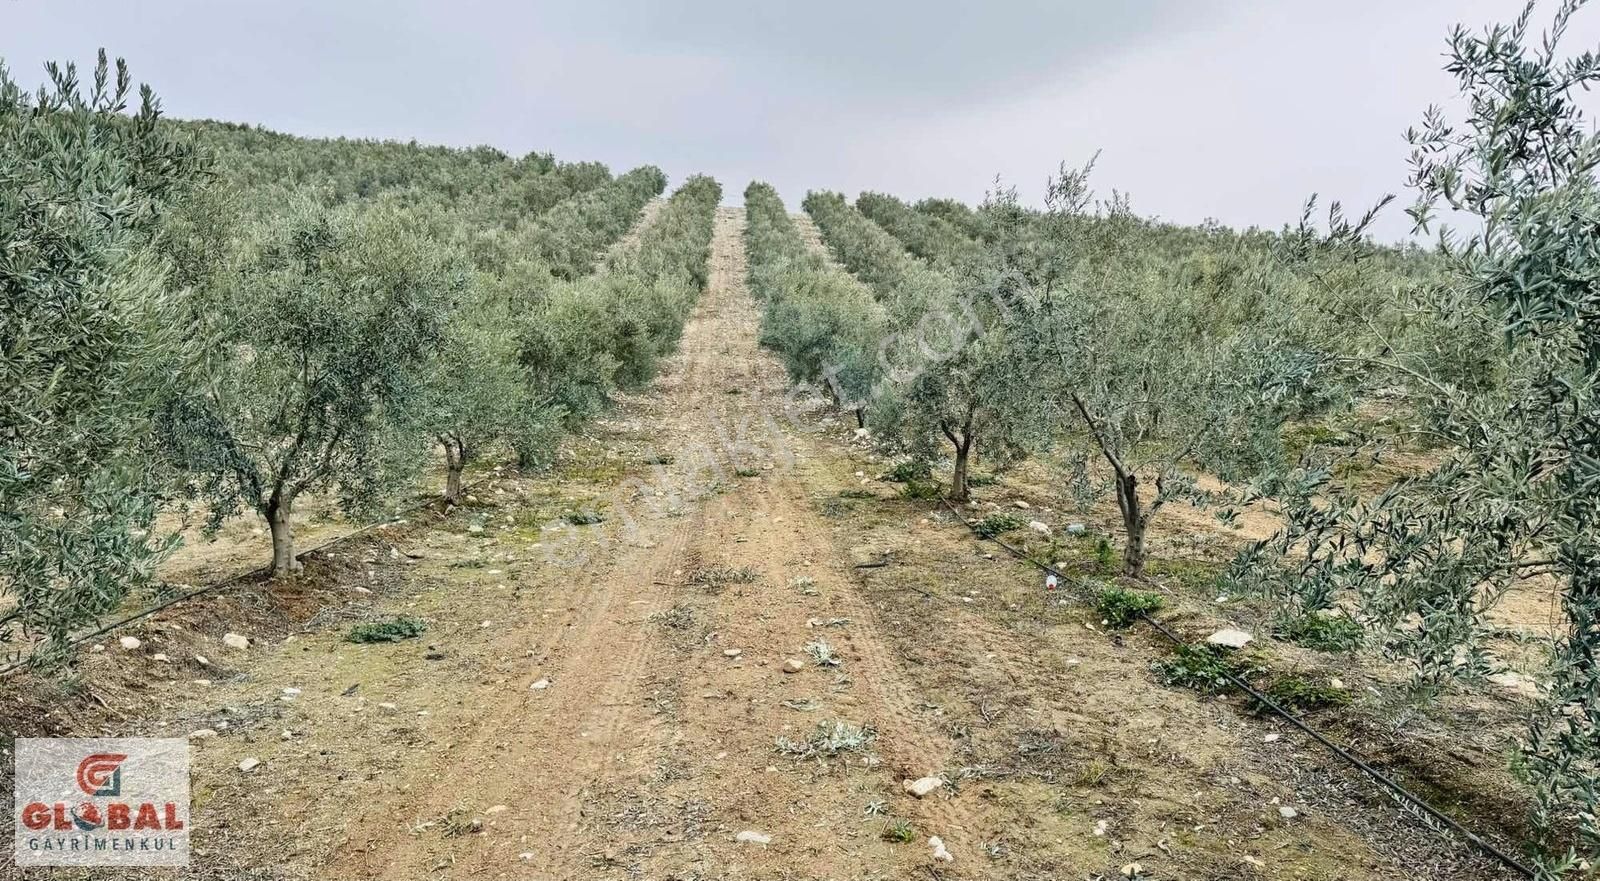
(102, 802)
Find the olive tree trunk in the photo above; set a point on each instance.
(284, 564)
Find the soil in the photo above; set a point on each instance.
(616, 700)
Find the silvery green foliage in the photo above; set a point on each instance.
(318, 341)
(88, 340)
(944, 358)
(1517, 495)
(1133, 358)
(572, 236)
(821, 321)
(926, 235)
(474, 398)
(578, 341)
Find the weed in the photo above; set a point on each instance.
(1203, 668)
(995, 850)
(1092, 773)
(899, 831)
(459, 822)
(909, 472)
(584, 518)
(858, 494)
(747, 472)
(659, 459)
(921, 491)
(717, 576)
(999, 524)
(877, 808)
(805, 584)
(1120, 608)
(679, 617)
(828, 740)
(821, 652)
(1323, 633)
(391, 630)
(1105, 556)
(982, 480)
(1298, 693)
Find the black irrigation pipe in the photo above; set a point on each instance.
(230, 581)
(1387, 782)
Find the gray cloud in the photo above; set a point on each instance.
(1209, 108)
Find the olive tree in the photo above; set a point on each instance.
(89, 336)
(1130, 365)
(1517, 493)
(319, 340)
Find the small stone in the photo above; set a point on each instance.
(235, 641)
(940, 854)
(541, 685)
(291, 692)
(1039, 526)
(497, 809)
(476, 527)
(1230, 639)
(1021, 505)
(732, 653)
(388, 709)
(129, 642)
(1132, 870)
(202, 661)
(160, 657)
(793, 665)
(202, 734)
(202, 682)
(249, 764)
(97, 648)
(1271, 738)
(526, 856)
(751, 836)
(1075, 529)
(1101, 827)
(922, 786)
(1288, 813)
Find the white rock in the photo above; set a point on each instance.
(862, 434)
(526, 856)
(1288, 813)
(129, 642)
(1021, 505)
(202, 660)
(751, 836)
(476, 527)
(235, 641)
(1230, 639)
(291, 692)
(541, 685)
(1075, 529)
(1101, 827)
(793, 665)
(249, 764)
(497, 809)
(732, 653)
(922, 786)
(202, 682)
(161, 657)
(1039, 526)
(1271, 738)
(202, 734)
(939, 852)
(388, 709)
(96, 648)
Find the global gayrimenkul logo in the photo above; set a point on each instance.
(102, 802)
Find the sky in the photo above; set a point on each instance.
(1229, 109)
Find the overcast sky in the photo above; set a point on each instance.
(1233, 109)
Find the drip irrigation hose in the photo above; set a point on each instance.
(230, 581)
(1433, 818)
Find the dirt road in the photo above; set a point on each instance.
(733, 676)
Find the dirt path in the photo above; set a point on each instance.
(615, 701)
